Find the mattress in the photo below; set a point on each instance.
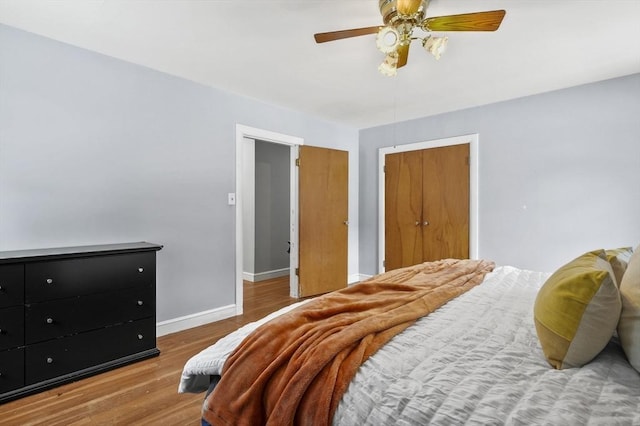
(476, 360)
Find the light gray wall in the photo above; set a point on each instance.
(97, 150)
(272, 191)
(559, 173)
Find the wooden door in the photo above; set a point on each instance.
(403, 209)
(445, 203)
(323, 220)
(426, 205)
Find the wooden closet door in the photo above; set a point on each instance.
(426, 205)
(445, 202)
(403, 209)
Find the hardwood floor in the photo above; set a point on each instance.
(145, 392)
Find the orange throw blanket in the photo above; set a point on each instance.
(295, 368)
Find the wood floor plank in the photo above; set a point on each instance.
(143, 393)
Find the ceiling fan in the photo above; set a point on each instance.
(404, 17)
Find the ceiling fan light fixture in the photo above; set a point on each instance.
(402, 17)
(388, 39)
(389, 66)
(435, 45)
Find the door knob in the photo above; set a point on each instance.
(426, 223)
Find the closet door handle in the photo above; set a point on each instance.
(426, 222)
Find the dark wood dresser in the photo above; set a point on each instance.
(68, 313)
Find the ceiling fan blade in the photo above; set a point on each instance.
(403, 55)
(479, 21)
(408, 7)
(337, 35)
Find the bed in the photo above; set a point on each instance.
(477, 359)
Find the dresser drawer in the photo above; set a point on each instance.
(59, 279)
(74, 353)
(11, 285)
(11, 327)
(11, 370)
(48, 320)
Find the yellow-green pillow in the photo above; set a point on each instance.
(629, 325)
(619, 259)
(577, 310)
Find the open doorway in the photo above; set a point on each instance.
(266, 220)
(245, 143)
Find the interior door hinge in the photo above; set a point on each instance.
(384, 263)
(298, 271)
(297, 162)
(384, 169)
(467, 160)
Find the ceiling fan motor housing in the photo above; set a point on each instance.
(391, 15)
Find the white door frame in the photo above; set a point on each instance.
(472, 140)
(294, 142)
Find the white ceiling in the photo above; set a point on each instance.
(265, 50)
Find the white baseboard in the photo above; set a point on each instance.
(194, 320)
(261, 276)
(354, 278)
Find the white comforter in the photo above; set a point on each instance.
(476, 360)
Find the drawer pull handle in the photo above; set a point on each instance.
(141, 269)
(49, 281)
(140, 336)
(49, 360)
(140, 303)
(49, 320)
